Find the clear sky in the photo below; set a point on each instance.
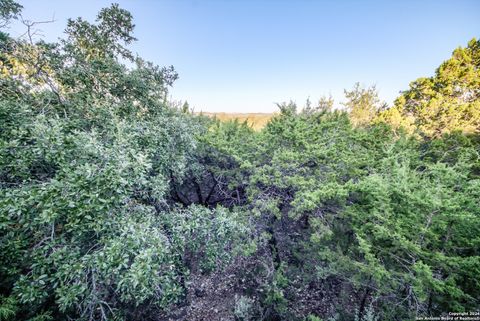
(245, 55)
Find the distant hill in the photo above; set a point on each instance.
(256, 120)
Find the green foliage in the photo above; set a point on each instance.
(87, 148)
(276, 294)
(114, 202)
(243, 308)
(362, 104)
(8, 308)
(379, 213)
(9, 10)
(447, 102)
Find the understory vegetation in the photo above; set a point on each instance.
(117, 205)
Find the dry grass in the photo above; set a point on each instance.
(256, 120)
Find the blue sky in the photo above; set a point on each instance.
(246, 55)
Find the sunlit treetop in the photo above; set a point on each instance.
(449, 101)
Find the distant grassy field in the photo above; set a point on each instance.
(256, 120)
